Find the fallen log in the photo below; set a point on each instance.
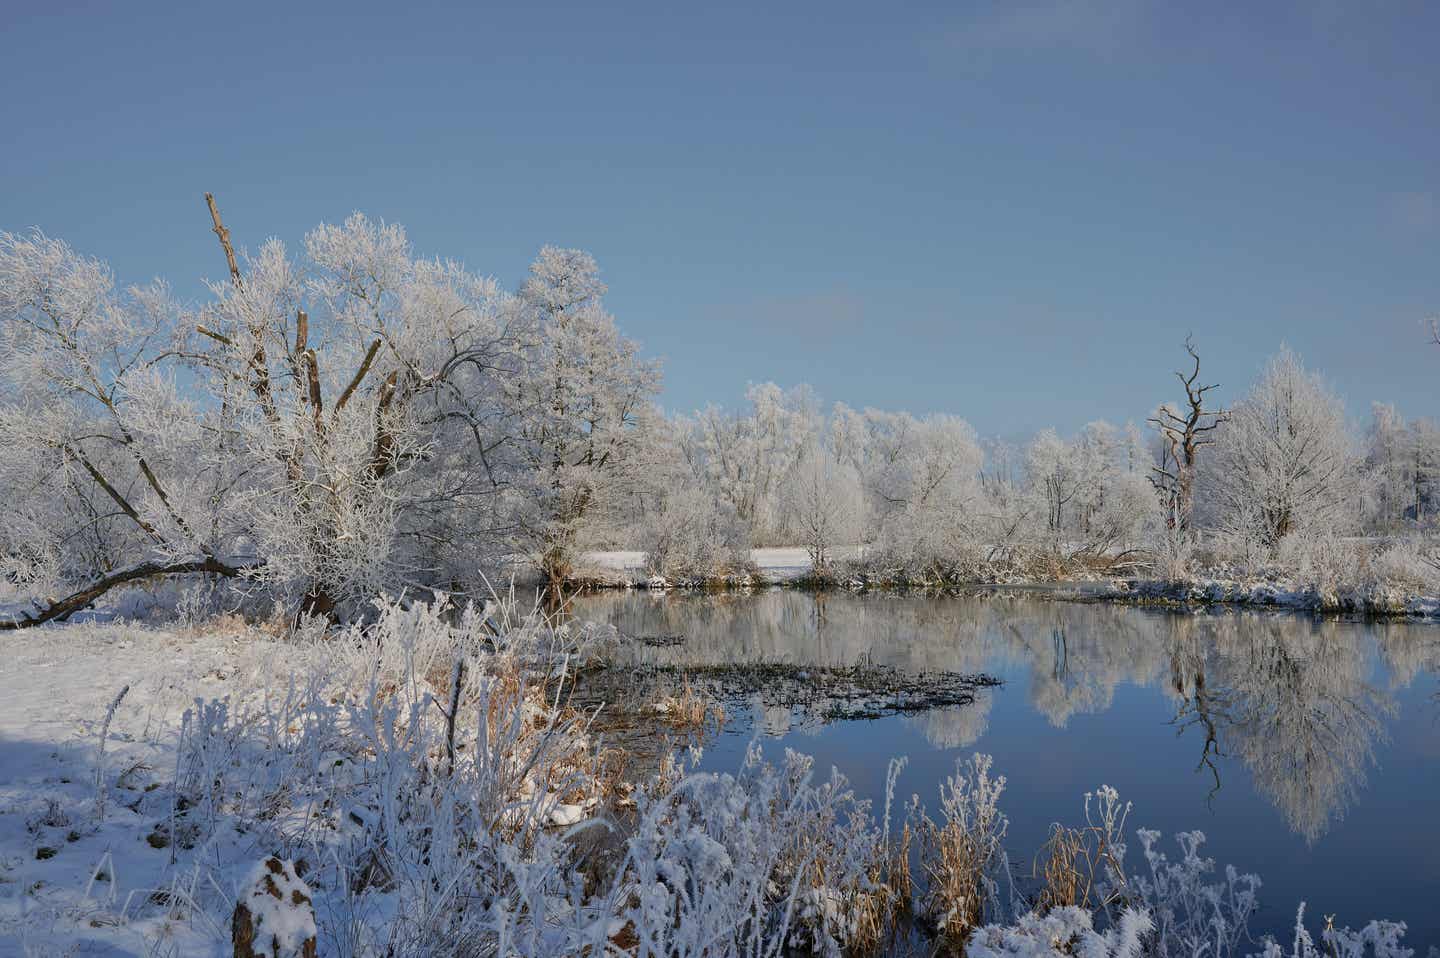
(62, 609)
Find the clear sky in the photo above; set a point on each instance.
(1012, 212)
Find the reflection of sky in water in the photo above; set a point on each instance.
(1324, 736)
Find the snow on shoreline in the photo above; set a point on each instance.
(789, 566)
(1377, 600)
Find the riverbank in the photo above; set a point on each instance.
(415, 778)
(790, 568)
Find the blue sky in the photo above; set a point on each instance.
(1012, 212)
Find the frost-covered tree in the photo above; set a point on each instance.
(692, 533)
(574, 408)
(1286, 464)
(1387, 456)
(745, 456)
(327, 427)
(1007, 509)
(1094, 503)
(1115, 501)
(1056, 479)
(684, 527)
(921, 479)
(1424, 452)
(823, 505)
(110, 472)
(362, 383)
(1405, 460)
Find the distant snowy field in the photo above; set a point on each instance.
(778, 564)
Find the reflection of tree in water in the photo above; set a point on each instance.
(1078, 654)
(1290, 697)
(957, 726)
(909, 633)
(1305, 719)
(773, 720)
(1408, 651)
(1201, 705)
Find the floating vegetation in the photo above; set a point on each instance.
(861, 691)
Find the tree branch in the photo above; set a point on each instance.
(63, 608)
(115, 495)
(218, 337)
(359, 375)
(224, 235)
(312, 379)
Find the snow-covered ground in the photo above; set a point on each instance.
(148, 774)
(80, 870)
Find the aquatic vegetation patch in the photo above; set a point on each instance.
(861, 691)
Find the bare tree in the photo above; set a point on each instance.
(1182, 433)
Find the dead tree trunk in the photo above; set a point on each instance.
(1183, 433)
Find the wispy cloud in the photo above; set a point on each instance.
(1098, 28)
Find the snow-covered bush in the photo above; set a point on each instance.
(1191, 914)
(1382, 939)
(1060, 932)
(694, 534)
(1173, 547)
(1411, 563)
(964, 849)
(1327, 561)
(761, 860)
(416, 764)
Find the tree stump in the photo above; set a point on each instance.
(274, 917)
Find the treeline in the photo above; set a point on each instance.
(353, 420)
(1270, 478)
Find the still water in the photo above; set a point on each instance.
(1306, 749)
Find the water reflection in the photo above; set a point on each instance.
(1293, 699)
(956, 726)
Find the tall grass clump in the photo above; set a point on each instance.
(963, 851)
